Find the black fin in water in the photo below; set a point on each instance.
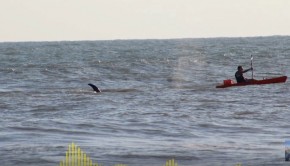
(96, 89)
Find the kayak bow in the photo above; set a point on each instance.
(230, 83)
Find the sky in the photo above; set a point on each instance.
(58, 20)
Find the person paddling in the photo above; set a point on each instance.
(239, 74)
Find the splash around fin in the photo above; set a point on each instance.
(95, 88)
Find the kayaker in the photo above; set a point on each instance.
(239, 74)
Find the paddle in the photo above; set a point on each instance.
(252, 67)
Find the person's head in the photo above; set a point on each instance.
(240, 68)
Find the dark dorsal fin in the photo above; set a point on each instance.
(96, 89)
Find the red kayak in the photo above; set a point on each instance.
(230, 83)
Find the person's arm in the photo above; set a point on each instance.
(247, 70)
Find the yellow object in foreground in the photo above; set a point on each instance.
(74, 156)
(171, 163)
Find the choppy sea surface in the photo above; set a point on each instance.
(158, 102)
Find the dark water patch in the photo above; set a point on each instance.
(121, 90)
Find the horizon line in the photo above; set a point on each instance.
(128, 39)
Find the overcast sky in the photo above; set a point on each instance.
(47, 20)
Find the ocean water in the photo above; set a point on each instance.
(158, 102)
